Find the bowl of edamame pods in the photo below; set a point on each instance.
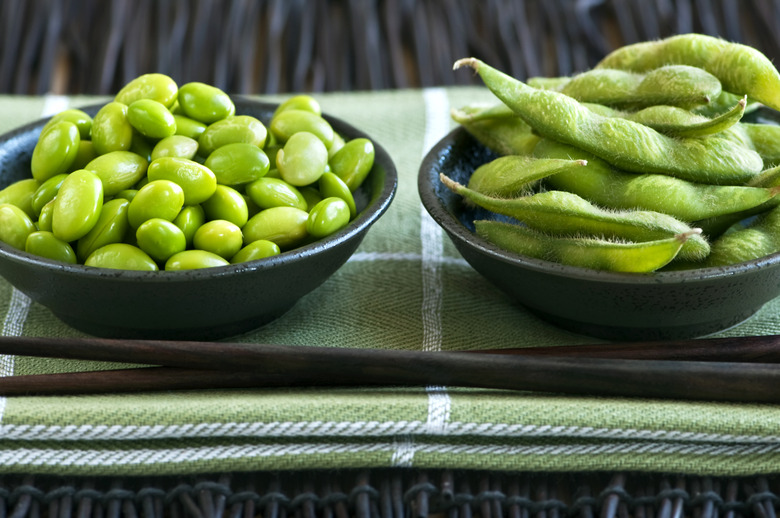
(633, 201)
(181, 212)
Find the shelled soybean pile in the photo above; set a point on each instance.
(168, 177)
(643, 163)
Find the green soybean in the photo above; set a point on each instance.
(623, 143)
(204, 102)
(194, 260)
(188, 127)
(154, 86)
(285, 226)
(498, 128)
(55, 151)
(121, 256)
(44, 218)
(23, 193)
(220, 237)
(151, 119)
(312, 195)
(299, 102)
(594, 253)
(331, 185)
(189, 220)
(85, 154)
(77, 206)
(328, 216)
(564, 213)
(512, 175)
(45, 244)
(303, 159)
(157, 199)
(178, 146)
(15, 226)
(741, 69)
(80, 118)
(289, 122)
(111, 227)
(239, 128)
(353, 162)
(255, 250)
(160, 239)
(196, 180)
(118, 170)
(274, 192)
(238, 163)
(44, 193)
(227, 204)
(677, 122)
(607, 186)
(111, 131)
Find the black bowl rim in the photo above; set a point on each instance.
(464, 237)
(364, 220)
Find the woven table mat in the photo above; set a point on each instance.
(393, 494)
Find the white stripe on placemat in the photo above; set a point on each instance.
(433, 426)
(437, 124)
(19, 305)
(28, 457)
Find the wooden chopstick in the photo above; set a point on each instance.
(206, 365)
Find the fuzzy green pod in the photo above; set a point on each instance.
(607, 186)
(623, 143)
(741, 69)
(512, 175)
(759, 239)
(498, 128)
(594, 253)
(564, 213)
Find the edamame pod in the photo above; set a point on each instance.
(677, 122)
(741, 69)
(759, 239)
(623, 143)
(564, 213)
(676, 85)
(512, 175)
(609, 187)
(498, 128)
(77, 206)
(598, 254)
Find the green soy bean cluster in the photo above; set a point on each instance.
(670, 174)
(169, 177)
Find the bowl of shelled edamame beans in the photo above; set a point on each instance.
(637, 200)
(181, 212)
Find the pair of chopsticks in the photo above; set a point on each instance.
(743, 369)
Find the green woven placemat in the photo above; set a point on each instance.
(405, 288)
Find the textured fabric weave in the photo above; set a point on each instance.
(405, 288)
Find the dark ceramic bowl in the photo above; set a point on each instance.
(201, 304)
(608, 305)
